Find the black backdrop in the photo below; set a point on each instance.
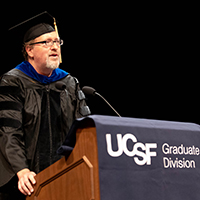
(142, 58)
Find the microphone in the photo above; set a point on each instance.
(91, 91)
(84, 110)
(60, 85)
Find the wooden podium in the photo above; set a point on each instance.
(125, 158)
(74, 178)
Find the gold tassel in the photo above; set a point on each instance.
(56, 29)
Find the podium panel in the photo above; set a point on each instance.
(74, 178)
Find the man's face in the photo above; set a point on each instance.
(44, 56)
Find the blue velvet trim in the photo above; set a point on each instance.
(28, 69)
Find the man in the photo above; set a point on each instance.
(36, 112)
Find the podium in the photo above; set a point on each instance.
(75, 177)
(124, 158)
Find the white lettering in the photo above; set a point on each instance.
(109, 146)
(150, 153)
(142, 151)
(169, 163)
(180, 150)
(127, 137)
(165, 148)
(165, 162)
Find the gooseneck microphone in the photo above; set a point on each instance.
(91, 91)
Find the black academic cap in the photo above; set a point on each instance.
(37, 31)
(33, 27)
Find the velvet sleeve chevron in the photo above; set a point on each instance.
(11, 133)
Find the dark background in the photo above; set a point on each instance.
(142, 58)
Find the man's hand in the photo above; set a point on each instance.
(26, 181)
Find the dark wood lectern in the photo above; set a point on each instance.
(74, 178)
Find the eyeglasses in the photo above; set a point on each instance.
(50, 43)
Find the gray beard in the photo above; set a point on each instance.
(52, 64)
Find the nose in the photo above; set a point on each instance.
(55, 47)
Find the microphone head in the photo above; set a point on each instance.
(60, 85)
(88, 90)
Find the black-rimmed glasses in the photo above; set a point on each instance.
(50, 43)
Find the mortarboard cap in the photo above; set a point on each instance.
(33, 28)
(37, 31)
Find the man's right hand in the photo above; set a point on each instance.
(26, 181)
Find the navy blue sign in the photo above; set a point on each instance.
(147, 159)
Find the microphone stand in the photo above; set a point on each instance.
(108, 103)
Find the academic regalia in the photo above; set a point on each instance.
(35, 117)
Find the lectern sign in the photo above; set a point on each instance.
(142, 153)
(143, 159)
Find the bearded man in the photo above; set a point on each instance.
(35, 114)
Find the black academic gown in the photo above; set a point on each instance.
(34, 120)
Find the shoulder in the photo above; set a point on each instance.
(11, 84)
(16, 77)
(10, 78)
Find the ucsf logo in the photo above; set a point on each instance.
(139, 149)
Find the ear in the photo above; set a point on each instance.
(29, 50)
